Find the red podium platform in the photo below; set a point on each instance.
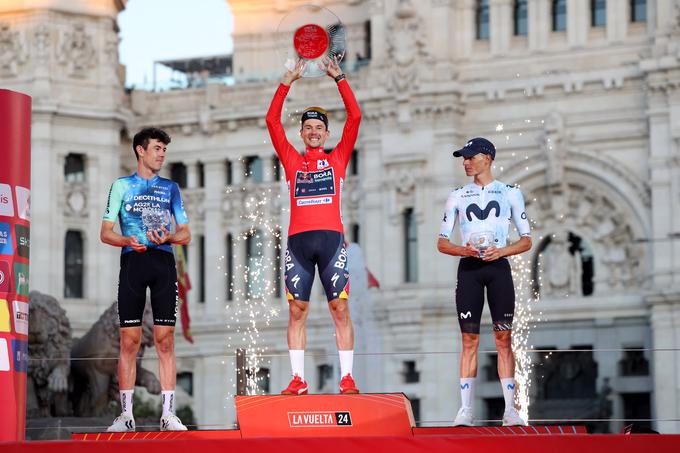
(378, 414)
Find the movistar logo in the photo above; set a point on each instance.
(465, 386)
(465, 315)
(511, 386)
(482, 215)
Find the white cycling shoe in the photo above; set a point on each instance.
(172, 422)
(122, 424)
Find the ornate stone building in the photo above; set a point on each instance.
(580, 97)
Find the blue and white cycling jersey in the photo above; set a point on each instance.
(141, 204)
(489, 208)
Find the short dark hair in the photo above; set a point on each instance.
(142, 138)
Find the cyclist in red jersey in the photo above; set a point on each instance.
(315, 180)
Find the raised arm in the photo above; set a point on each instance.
(351, 129)
(284, 150)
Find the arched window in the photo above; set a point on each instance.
(73, 264)
(598, 13)
(520, 17)
(638, 10)
(564, 266)
(559, 15)
(482, 19)
(410, 246)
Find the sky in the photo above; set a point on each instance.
(155, 30)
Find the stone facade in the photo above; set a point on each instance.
(586, 121)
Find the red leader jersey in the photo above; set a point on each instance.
(314, 180)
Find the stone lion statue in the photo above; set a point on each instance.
(49, 346)
(95, 364)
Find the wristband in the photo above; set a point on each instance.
(339, 78)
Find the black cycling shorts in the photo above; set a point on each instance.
(321, 248)
(474, 275)
(154, 269)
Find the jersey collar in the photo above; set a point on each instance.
(139, 178)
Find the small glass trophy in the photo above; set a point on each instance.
(155, 219)
(482, 240)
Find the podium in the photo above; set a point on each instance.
(368, 414)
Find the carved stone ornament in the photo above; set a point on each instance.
(12, 51)
(406, 47)
(77, 52)
(601, 223)
(76, 202)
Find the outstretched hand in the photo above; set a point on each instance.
(159, 237)
(292, 75)
(331, 66)
(136, 245)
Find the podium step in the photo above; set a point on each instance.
(368, 414)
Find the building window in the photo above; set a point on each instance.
(74, 168)
(482, 19)
(520, 15)
(491, 368)
(410, 373)
(354, 163)
(201, 268)
(636, 407)
(566, 374)
(228, 172)
(365, 56)
(178, 173)
(254, 168)
(200, 168)
(559, 15)
(185, 380)
(276, 163)
(261, 377)
(638, 10)
(634, 363)
(415, 407)
(255, 276)
(229, 266)
(73, 264)
(598, 13)
(410, 246)
(355, 232)
(324, 375)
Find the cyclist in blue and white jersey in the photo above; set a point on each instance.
(144, 204)
(483, 210)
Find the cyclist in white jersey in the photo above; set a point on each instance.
(483, 209)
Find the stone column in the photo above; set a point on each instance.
(192, 174)
(665, 323)
(378, 38)
(464, 33)
(618, 16)
(193, 257)
(539, 24)
(238, 170)
(267, 168)
(215, 287)
(441, 36)
(501, 26)
(578, 22)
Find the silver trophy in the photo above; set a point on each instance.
(155, 219)
(482, 240)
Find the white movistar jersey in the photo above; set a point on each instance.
(488, 208)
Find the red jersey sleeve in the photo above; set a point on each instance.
(283, 148)
(351, 130)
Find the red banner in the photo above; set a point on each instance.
(15, 184)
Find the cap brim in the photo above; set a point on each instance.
(463, 152)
